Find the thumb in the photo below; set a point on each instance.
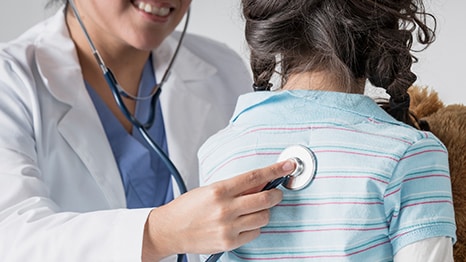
(253, 181)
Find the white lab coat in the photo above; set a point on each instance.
(61, 195)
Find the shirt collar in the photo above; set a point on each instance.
(306, 100)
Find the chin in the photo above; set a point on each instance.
(146, 44)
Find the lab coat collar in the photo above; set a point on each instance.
(59, 69)
(57, 60)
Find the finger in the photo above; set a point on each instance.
(247, 236)
(245, 229)
(254, 181)
(253, 221)
(241, 239)
(252, 203)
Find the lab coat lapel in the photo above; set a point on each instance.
(80, 125)
(184, 111)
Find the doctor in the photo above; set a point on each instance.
(77, 183)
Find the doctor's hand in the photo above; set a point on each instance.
(215, 218)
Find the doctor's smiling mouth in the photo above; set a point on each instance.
(161, 10)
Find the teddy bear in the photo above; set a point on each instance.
(448, 123)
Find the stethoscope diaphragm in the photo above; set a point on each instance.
(306, 166)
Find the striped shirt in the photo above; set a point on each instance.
(380, 184)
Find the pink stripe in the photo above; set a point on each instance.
(356, 153)
(331, 203)
(321, 230)
(392, 192)
(322, 127)
(278, 129)
(317, 256)
(350, 177)
(396, 214)
(414, 178)
(427, 202)
(236, 158)
(399, 235)
(422, 152)
(434, 175)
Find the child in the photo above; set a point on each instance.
(382, 189)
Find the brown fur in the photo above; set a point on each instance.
(449, 125)
(424, 101)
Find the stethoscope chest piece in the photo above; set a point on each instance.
(306, 166)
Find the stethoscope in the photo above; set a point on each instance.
(303, 157)
(118, 94)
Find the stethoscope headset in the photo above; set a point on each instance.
(304, 158)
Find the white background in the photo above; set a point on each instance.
(441, 67)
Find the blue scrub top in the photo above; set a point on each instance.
(146, 180)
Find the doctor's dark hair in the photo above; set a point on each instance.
(353, 39)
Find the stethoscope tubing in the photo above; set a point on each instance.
(117, 95)
(142, 128)
(214, 257)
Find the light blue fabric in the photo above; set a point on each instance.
(146, 179)
(380, 184)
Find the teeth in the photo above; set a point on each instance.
(159, 11)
